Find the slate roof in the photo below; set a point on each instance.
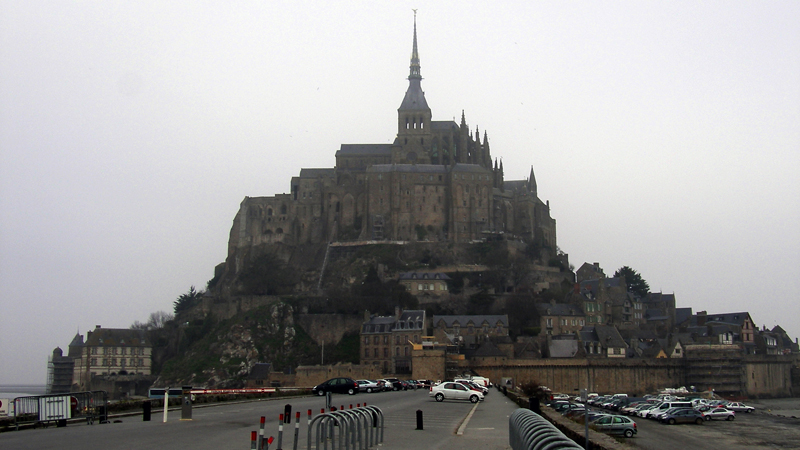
(655, 314)
(413, 319)
(77, 341)
(414, 100)
(365, 149)
(117, 337)
(682, 315)
(515, 185)
(424, 276)
(413, 168)
(563, 348)
(592, 285)
(488, 349)
(736, 318)
(607, 335)
(443, 125)
(378, 324)
(317, 173)
(476, 320)
(559, 309)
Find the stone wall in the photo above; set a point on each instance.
(428, 365)
(569, 375)
(328, 329)
(768, 376)
(310, 376)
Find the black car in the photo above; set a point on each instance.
(341, 385)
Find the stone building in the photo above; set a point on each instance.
(436, 181)
(109, 352)
(425, 283)
(559, 318)
(469, 331)
(387, 341)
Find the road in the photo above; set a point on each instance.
(229, 426)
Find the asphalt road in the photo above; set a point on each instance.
(229, 426)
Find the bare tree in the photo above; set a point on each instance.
(156, 321)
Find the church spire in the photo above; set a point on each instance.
(414, 73)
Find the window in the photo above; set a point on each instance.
(366, 339)
(386, 352)
(375, 340)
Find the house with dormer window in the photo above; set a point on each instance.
(425, 283)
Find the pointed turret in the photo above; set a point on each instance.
(502, 177)
(415, 98)
(487, 158)
(414, 115)
(532, 182)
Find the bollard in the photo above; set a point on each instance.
(533, 405)
(419, 419)
(253, 435)
(261, 425)
(296, 430)
(146, 410)
(505, 391)
(269, 441)
(351, 406)
(166, 403)
(280, 433)
(287, 413)
(186, 404)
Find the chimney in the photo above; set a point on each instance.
(397, 312)
(97, 326)
(701, 318)
(366, 315)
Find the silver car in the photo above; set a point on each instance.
(615, 425)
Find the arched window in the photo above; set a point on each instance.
(279, 231)
(269, 211)
(283, 209)
(397, 351)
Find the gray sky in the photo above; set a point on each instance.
(666, 136)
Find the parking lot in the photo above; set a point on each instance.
(774, 424)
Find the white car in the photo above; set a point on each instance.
(718, 413)
(454, 391)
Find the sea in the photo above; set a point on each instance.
(11, 391)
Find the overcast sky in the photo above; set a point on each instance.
(666, 136)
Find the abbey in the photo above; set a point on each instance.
(437, 182)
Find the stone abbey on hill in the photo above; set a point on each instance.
(436, 182)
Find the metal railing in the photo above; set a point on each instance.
(530, 431)
(358, 428)
(58, 408)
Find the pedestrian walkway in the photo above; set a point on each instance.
(487, 426)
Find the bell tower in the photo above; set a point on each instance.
(414, 115)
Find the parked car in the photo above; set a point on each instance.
(369, 386)
(425, 383)
(340, 385)
(615, 425)
(397, 385)
(718, 413)
(739, 407)
(454, 391)
(683, 416)
(472, 385)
